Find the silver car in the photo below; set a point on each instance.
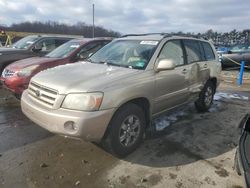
(114, 96)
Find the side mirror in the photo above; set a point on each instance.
(165, 64)
(37, 48)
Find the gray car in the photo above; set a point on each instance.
(30, 46)
(114, 96)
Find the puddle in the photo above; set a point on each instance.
(166, 120)
(221, 95)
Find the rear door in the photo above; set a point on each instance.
(171, 86)
(197, 68)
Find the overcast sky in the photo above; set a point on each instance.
(134, 16)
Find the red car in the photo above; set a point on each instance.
(17, 75)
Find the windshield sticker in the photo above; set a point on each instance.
(29, 42)
(140, 64)
(74, 46)
(149, 42)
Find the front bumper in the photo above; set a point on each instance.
(15, 84)
(91, 126)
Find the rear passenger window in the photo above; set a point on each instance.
(172, 50)
(193, 51)
(209, 53)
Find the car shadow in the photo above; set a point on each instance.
(193, 137)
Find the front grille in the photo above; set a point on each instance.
(42, 94)
(7, 73)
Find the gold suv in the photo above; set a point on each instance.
(114, 95)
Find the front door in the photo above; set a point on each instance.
(171, 86)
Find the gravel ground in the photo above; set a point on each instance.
(194, 150)
(233, 75)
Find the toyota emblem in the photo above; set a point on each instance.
(37, 93)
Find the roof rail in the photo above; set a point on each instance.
(144, 34)
(165, 35)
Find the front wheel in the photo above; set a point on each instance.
(206, 97)
(125, 131)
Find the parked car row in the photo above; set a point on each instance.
(30, 46)
(16, 75)
(112, 97)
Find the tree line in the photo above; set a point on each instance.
(218, 38)
(221, 38)
(52, 27)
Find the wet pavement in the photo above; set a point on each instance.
(195, 150)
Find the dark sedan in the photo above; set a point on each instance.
(242, 157)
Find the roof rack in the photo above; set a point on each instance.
(144, 34)
(165, 35)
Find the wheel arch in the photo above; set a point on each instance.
(214, 81)
(142, 102)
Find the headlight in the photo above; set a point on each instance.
(83, 101)
(27, 71)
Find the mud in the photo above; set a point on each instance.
(196, 150)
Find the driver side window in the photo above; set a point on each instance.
(46, 45)
(172, 50)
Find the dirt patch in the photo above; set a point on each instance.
(222, 172)
(173, 176)
(209, 181)
(154, 179)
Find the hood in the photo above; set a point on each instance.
(30, 61)
(82, 77)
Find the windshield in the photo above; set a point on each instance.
(25, 42)
(64, 50)
(126, 53)
(240, 47)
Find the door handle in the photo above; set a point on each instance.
(184, 71)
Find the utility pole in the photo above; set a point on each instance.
(93, 27)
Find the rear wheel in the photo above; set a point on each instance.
(125, 131)
(206, 97)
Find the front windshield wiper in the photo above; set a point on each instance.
(110, 63)
(89, 60)
(102, 62)
(115, 64)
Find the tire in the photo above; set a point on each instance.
(206, 97)
(125, 131)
